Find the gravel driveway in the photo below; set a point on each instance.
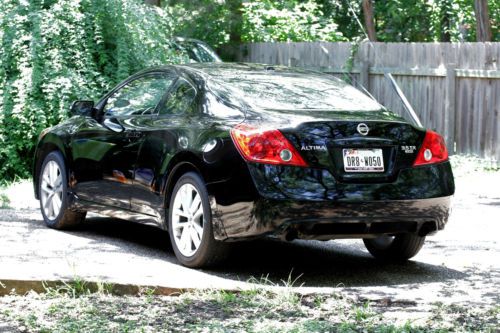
(457, 266)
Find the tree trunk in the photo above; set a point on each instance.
(445, 25)
(369, 20)
(153, 2)
(236, 18)
(483, 24)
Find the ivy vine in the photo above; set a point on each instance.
(54, 52)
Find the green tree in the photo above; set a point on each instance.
(209, 20)
(413, 20)
(293, 20)
(53, 52)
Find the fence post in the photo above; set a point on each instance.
(450, 107)
(364, 74)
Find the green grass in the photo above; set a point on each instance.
(75, 288)
(77, 309)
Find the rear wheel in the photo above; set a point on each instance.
(190, 224)
(394, 248)
(53, 193)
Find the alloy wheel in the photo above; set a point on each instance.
(187, 220)
(51, 189)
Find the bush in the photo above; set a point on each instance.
(211, 21)
(294, 21)
(53, 52)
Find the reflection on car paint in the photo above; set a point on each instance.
(125, 163)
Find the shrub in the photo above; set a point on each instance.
(53, 52)
(295, 21)
(209, 20)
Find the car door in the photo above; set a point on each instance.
(170, 131)
(105, 148)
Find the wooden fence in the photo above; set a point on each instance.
(453, 87)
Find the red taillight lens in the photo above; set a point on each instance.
(265, 146)
(433, 150)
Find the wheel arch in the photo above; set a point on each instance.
(48, 145)
(180, 164)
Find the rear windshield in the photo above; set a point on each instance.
(198, 52)
(292, 91)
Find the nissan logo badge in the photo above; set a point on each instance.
(363, 129)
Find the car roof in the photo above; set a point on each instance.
(273, 87)
(219, 70)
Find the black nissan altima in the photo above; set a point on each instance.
(223, 152)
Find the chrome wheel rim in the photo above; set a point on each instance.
(51, 190)
(187, 220)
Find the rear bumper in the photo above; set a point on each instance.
(311, 203)
(329, 220)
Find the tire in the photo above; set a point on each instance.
(53, 194)
(192, 235)
(397, 248)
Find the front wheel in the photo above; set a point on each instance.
(394, 248)
(190, 224)
(53, 193)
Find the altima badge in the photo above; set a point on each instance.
(363, 129)
(320, 147)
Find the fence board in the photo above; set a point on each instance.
(470, 119)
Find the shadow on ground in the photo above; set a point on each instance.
(312, 263)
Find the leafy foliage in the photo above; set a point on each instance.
(53, 52)
(413, 20)
(275, 20)
(209, 20)
(416, 20)
(220, 21)
(494, 7)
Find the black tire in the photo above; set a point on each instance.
(65, 218)
(399, 249)
(210, 251)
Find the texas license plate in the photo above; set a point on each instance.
(363, 160)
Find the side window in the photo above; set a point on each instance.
(139, 97)
(180, 99)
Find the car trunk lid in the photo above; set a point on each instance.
(386, 145)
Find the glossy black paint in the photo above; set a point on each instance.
(126, 165)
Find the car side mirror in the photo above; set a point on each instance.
(82, 108)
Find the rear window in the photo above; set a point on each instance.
(198, 52)
(291, 91)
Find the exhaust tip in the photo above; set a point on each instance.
(427, 228)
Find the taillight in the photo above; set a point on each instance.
(433, 150)
(265, 146)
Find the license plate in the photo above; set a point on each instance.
(363, 160)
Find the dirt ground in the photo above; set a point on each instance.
(458, 267)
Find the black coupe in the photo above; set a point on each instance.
(222, 152)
